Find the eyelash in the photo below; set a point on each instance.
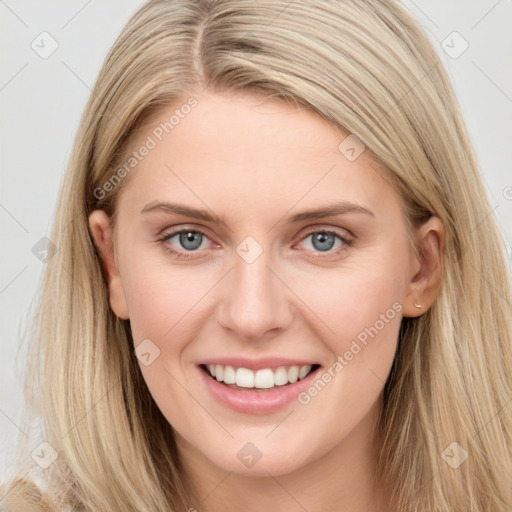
(347, 241)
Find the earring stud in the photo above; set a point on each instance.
(419, 306)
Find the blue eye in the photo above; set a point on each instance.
(191, 240)
(324, 240)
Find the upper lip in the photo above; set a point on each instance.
(256, 364)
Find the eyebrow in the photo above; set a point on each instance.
(339, 208)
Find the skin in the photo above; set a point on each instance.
(254, 162)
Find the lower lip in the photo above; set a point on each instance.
(256, 402)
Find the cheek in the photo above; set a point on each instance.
(363, 308)
(161, 297)
(164, 303)
(358, 316)
(349, 300)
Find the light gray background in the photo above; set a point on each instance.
(42, 100)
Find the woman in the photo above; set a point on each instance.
(277, 284)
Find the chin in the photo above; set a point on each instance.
(260, 458)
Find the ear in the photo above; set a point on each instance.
(426, 268)
(99, 224)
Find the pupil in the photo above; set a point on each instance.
(322, 238)
(188, 238)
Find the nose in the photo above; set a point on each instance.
(255, 300)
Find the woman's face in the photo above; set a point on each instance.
(228, 257)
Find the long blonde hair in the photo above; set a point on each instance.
(367, 67)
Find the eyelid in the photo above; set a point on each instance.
(168, 232)
(329, 229)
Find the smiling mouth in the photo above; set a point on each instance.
(244, 379)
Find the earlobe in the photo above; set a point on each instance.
(426, 278)
(99, 224)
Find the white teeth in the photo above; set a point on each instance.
(281, 376)
(219, 372)
(304, 370)
(262, 379)
(293, 374)
(229, 375)
(244, 378)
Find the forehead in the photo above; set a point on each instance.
(244, 150)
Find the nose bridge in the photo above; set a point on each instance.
(255, 301)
